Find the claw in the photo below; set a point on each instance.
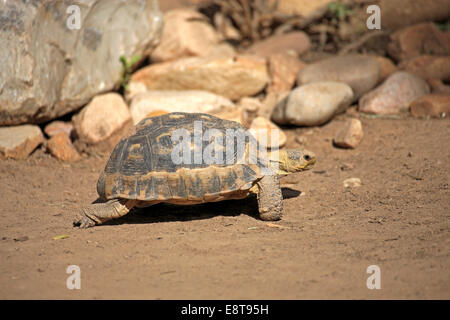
(84, 222)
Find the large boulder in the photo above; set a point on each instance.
(49, 67)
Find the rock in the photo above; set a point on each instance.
(48, 70)
(55, 127)
(226, 28)
(301, 140)
(223, 49)
(394, 95)
(360, 72)
(231, 77)
(249, 110)
(105, 117)
(316, 56)
(433, 105)
(177, 101)
(438, 87)
(401, 13)
(313, 104)
(186, 33)
(304, 8)
(352, 183)
(283, 70)
(350, 135)
(271, 101)
(294, 43)
(387, 67)
(428, 67)
(420, 39)
(19, 141)
(267, 133)
(62, 148)
(232, 115)
(347, 166)
(22, 238)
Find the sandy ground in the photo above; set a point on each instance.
(398, 219)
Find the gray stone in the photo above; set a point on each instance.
(313, 104)
(360, 72)
(48, 70)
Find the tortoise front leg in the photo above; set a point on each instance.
(270, 198)
(98, 213)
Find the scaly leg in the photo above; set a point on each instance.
(98, 213)
(270, 198)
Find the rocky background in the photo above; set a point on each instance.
(372, 105)
(266, 64)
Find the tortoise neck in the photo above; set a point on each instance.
(278, 161)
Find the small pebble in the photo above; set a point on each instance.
(20, 239)
(352, 183)
(350, 134)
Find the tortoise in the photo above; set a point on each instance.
(148, 166)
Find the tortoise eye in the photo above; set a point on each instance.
(306, 157)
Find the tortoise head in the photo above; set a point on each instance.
(294, 160)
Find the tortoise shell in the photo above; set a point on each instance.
(142, 165)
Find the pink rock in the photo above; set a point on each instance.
(394, 95)
(55, 127)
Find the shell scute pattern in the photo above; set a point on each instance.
(141, 167)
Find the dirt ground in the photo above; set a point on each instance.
(398, 219)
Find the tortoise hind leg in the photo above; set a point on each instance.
(270, 198)
(98, 213)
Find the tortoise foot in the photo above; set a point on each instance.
(83, 222)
